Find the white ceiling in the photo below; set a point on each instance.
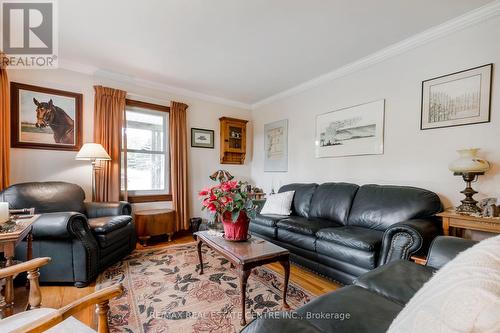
(239, 50)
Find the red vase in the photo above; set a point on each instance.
(238, 230)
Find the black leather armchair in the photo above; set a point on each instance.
(81, 238)
(372, 302)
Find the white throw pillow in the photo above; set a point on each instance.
(279, 203)
(463, 296)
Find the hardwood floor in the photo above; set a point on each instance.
(58, 296)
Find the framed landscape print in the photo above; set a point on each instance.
(356, 130)
(43, 118)
(456, 99)
(276, 146)
(202, 138)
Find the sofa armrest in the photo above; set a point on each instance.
(101, 209)
(60, 225)
(402, 240)
(445, 248)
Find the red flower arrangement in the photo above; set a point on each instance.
(228, 197)
(229, 202)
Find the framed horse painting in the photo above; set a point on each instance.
(44, 118)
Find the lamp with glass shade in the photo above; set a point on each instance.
(469, 166)
(93, 152)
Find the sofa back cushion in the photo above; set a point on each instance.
(332, 201)
(46, 197)
(302, 198)
(380, 206)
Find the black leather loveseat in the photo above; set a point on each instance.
(343, 230)
(371, 303)
(82, 238)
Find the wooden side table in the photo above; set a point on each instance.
(459, 221)
(8, 241)
(154, 222)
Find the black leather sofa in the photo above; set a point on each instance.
(343, 230)
(370, 304)
(82, 238)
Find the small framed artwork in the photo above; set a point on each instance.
(356, 130)
(461, 98)
(276, 146)
(44, 118)
(202, 138)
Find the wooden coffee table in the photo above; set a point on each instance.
(245, 256)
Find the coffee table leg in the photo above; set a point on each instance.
(199, 255)
(243, 286)
(286, 267)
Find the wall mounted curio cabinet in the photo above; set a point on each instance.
(233, 139)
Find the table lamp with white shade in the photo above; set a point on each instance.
(469, 166)
(93, 152)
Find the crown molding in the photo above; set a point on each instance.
(468, 19)
(127, 79)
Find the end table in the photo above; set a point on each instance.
(8, 241)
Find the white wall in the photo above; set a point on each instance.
(43, 165)
(411, 157)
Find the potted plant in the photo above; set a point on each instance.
(229, 202)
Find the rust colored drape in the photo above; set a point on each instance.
(109, 109)
(179, 164)
(4, 128)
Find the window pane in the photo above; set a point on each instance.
(147, 152)
(145, 129)
(146, 172)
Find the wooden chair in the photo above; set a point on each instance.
(39, 319)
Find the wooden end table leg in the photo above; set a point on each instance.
(446, 226)
(198, 245)
(244, 274)
(8, 310)
(286, 266)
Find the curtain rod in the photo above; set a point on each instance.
(165, 102)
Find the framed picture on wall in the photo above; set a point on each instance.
(202, 138)
(276, 146)
(461, 98)
(356, 130)
(44, 118)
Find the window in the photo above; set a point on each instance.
(147, 172)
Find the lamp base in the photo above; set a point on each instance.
(469, 205)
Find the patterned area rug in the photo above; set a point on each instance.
(164, 292)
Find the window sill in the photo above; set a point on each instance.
(149, 198)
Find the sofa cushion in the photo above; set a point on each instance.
(104, 225)
(380, 206)
(397, 280)
(114, 238)
(307, 242)
(45, 197)
(368, 311)
(303, 225)
(365, 259)
(278, 204)
(263, 230)
(302, 197)
(332, 201)
(355, 237)
(268, 220)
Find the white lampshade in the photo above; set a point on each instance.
(92, 152)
